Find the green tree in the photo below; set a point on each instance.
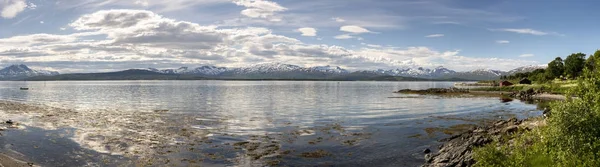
(555, 68)
(591, 61)
(574, 65)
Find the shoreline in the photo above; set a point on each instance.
(527, 95)
(59, 114)
(458, 150)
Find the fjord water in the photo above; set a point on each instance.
(388, 128)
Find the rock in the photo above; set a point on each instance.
(427, 151)
(316, 154)
(9, 122)
(510, 129)
(458, 150)
(434, 91)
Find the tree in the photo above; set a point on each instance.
(591, 61)
(555, 68)
(574, 65)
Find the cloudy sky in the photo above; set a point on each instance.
(108, 35)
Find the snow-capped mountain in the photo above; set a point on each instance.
(328, 69)
(22, 71)
(268, 68)
(527, 69)
(203, 70)
(265, 68)
(416, 72)
(288, 71)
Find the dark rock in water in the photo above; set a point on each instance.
(526, 94)
(434, 91)
(458, 149)
(426, 151)
(9, 122)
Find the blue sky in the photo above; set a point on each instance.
(107, 35)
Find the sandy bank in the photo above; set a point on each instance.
(7, 161)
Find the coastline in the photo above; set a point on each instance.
(44, 113)
(458, 150)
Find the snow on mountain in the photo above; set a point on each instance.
(416, 72)
(328, 69)
(203, 70)
(22, 71)
(529, 68)
(487, 72)
(209, 70)
(268, 68)
(253, 69)
(288, 70)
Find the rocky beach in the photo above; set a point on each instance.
(457, 150)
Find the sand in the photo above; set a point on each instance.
(7, 161)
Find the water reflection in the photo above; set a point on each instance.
(357, 122)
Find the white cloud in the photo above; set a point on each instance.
(354, 29)
(41, 22)
(502, 41)
(122, 39)
(527, 55)
(344, 36)
(11, 8)
(522, 31)
(31, 6)
(434, 35)
(308, 31)
(142, 3)
(373, 45)
(260, 9)
(339, 20)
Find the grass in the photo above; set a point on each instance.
(570, 137)
(555, 87)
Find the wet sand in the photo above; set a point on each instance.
(7, 161)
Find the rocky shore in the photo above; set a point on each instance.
(434, 91)
(528, 94)
(458, 149)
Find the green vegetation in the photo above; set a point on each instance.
(571, 136)
(569, 68)
(555, 87)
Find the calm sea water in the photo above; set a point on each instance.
(354, 123)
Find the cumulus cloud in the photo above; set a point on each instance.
(121, 39)
(502, 41)
(434, 35)
(308, 31)
(354, 29)
(260, 9)
(11, 8)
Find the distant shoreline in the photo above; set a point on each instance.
(232, 80)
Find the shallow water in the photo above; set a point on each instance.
(180, 123)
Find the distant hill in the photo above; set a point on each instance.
(267, 71)
(133, 74)
(18, 72)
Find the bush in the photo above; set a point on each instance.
(571, 137)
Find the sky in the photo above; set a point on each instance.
(108, 35)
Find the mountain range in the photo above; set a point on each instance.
(267, 71)
(17, 72)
